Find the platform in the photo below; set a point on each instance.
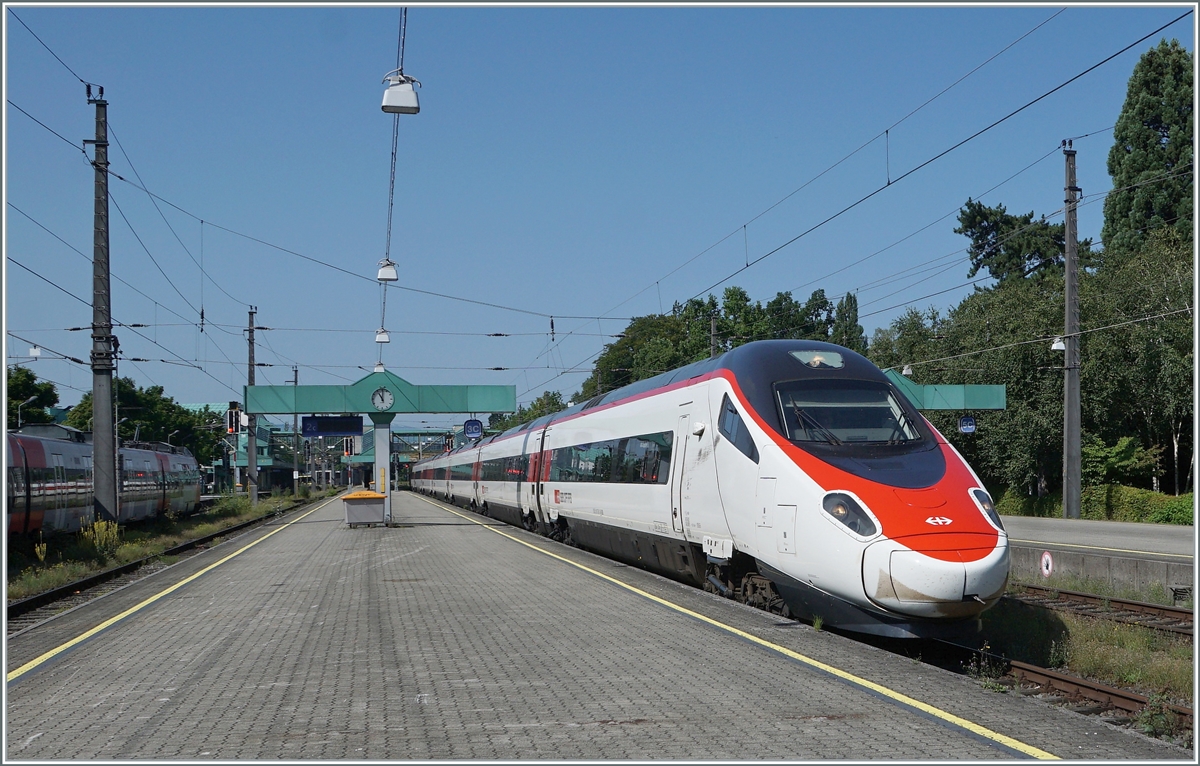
(451, 636)
(1139, 557)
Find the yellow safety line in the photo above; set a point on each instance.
(113, 620)
(1044, 544)
(858, 681)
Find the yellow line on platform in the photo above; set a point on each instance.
(133, 609)
(850, 677)
(1045, 544)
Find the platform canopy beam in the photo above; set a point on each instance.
(373, 392)
(950, 397)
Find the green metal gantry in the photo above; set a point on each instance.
(380, 395)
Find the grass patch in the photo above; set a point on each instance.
(1141, 659)
(36, 565)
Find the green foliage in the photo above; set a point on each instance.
(846, 330)
(1111, 502)
(153, 416)
(1121, 463)
(1010, 246)
(22, 384)
(657, 343)
(102, 538)
(549, 402)
(1152, 154)
(1157, 718)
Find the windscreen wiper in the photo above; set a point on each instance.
(812, 426)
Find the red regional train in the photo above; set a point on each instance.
(49, 484)
(792, 475)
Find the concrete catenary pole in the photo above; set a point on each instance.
(1071, 405)
(104, 439)
(295, 439)
(252, 424)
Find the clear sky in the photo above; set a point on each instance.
(566, 162)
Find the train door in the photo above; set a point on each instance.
(539, 466)
(681, 440)
(60, 481)
(476, 468)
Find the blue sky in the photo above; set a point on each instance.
(566, 162)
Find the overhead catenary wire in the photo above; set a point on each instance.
(203, 275)
(1043, 339)
(937, 157)
(836, 164)
(890, 181)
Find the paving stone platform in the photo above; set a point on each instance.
(440, 638)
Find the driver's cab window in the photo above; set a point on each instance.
(733, 428)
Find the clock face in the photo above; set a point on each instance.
(382, 399)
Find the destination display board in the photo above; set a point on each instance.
(331, 425)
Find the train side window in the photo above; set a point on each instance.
(733, 428)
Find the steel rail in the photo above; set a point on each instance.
(1092, 690)
(26, 605)
(1183, 621)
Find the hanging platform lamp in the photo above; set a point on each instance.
(387, 271)
(400, 97)
(381, 336)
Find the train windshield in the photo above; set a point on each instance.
(845, 412)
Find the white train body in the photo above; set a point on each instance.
(793, 462)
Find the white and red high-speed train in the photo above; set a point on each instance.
(789, 474)
(49, 486)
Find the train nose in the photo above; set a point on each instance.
(931, 576)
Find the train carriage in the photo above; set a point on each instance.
(790, 474)
(50, 483)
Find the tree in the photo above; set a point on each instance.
(846, 330)
(1151, 161)
(150, 416)
(1010, 246)
(546, 404)
(23, 384)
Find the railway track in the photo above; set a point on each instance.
(25, 613)
(1157, 616)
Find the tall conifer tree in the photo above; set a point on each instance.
(1152, 155)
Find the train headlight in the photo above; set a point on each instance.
(984, 501)
(846, 509)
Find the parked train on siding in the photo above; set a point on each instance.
(792, 475)
(49, 483)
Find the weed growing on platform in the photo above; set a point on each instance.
(987, 670)
(817, 622)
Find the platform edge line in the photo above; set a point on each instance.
(924, 707)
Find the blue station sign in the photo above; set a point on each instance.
(473, 429)
(966, 424)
